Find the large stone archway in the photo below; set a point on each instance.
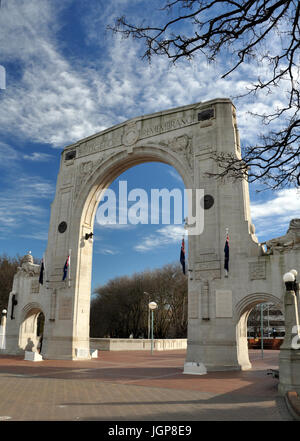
(185, 138)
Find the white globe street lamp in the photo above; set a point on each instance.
(152, 306)
(147, 294)
(289, 280)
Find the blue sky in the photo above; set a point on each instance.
(67, 78)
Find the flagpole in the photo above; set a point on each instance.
(69, 283)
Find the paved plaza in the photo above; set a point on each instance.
(137, 386)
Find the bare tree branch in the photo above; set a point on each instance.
(243, 28)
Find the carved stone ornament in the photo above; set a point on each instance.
(62, 227)
(291, 240)
(131, 134)
(86, 169)
(207, 202)
(182, 145)
(28, 268)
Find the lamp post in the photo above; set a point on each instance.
(3, 326)
(262, 330)
(3, 317)
(289, 357)
(152, 306)
(290, 306)
(147, 294)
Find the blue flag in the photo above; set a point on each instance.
(66, 268)
(41, 278)
(182, 256)
(226, 251)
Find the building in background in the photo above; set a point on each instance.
(273, 321)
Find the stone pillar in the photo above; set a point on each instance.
(289, 358)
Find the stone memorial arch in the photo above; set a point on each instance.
(218, 303)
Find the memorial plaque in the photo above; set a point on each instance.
(257, 270)
(193, 304)
(70, 155)
(223, 303)
(65, 309)
(205, 114)
(35, 286)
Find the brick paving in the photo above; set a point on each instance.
(137, 386)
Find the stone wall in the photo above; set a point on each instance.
(139, 344)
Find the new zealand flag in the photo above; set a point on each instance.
(41, 278)
(66, 268)
(182, 256)
(226, 251)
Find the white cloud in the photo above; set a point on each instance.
(57, 101)
(38, 157)
(107, 252)
(164, 236)
(272, 217)
(285, 203)
(21, 205)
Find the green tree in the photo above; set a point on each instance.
(120, 308)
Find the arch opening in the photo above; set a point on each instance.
(244, 308)
(146, 246)
(31, 328)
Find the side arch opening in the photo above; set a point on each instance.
(31, 328)
(242, 313)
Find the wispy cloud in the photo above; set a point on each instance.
(285, 203)
(107, 252)
(164, 236)
(38, 157)
(58, 101)
(271, 217)
(22, 205)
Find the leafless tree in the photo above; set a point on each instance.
(244, 30)
(8, 268)
(120, 308)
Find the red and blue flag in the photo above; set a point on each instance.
(182, 256)
(226, 251)
(66, 267)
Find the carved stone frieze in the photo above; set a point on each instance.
(291, 240)
(182, 145)
(86, 169)
(28, 268)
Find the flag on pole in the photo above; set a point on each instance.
(66, 268)
(226, 251)
(41, 278)
(182, 256)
